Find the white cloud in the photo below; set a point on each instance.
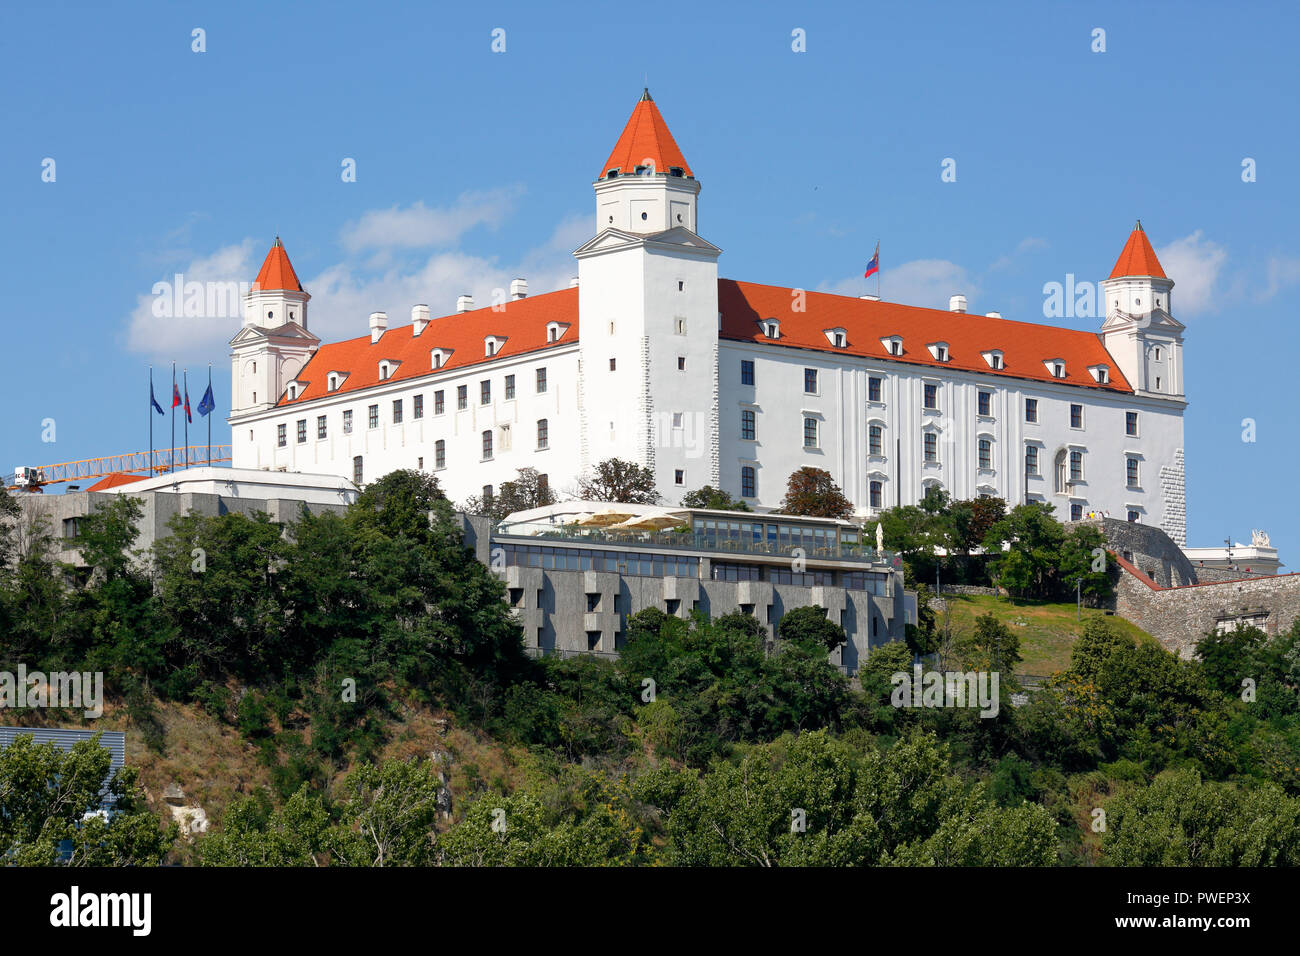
(1194, 263)
(923, 282)
(1028, 244)
(418, 226)
(1283, 271)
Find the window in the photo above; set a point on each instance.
(1031, 459)
(747, 481)
(347, 421)
(419, 463)
(439, 405)
(383, 371)
(985, 403)
(1131, 464)
(1157, 383)
(397, 411)
(1131, 423)
(873, 389)
(839, 340)
(681, 326)
(1157, 353)
(462, 397)
(1133, 516)
(372, 416)
(875, 440)
(320, 426)
(543, 434)
(810, 433)
(333, 381)
(931, 395)
(986, 455)
(747, 424)
(71, 528)
(746, 372)
(1076, 466)
(487, 444)
(541, 379)
(440, 454)
(1031, 409)
(678, 418)
(485, 392)
(302, 430)
(931, 446)
(543, 486)
(487, 497)
(613, 364)
(996, 362)
(681, 363)
(1059, 472)
(1058, 369)
(1076, 416)
(895, 347)
(281, 438)
(1076, 512)
(1103, 375)
(417, 406)
(356, 471)
(875, 489)
(810, 381)
(941, 353)
(679, 476)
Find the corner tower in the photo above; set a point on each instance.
(648, 301)
(1140, 331)
(273, 345)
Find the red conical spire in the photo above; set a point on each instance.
(277, 271)
(645, 140)
(1138, 258)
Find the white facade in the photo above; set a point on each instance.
(649, 379)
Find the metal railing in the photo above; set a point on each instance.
(541, 532)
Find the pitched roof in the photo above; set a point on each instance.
(1025, 346)
(277, 271)
(522, 322)
(115, 480)
(1138, 258)
(645, 137)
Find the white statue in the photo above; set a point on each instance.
(1259, 539)
(880, 536)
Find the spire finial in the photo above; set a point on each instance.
(645, 95)
(1138, 227)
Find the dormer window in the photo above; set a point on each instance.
(676, 171)
(1100, 374)
(438, 358)
(838, 338)
(1058, 370)
(555, 331)
(333, 381)
(293, 391)
(939, 350)
(384, 371)
(612, 174)
(771, 328)
(994, 359)
(1055, 367)
(893, 344)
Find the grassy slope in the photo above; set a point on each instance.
(1046, 630)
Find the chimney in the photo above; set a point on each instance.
(870, 297)
(378, 325)
(573, 283)
(994, 315)
(464, 303)
(419, 318)
(519, 289)
(957, 303)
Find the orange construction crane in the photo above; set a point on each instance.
(27, 478)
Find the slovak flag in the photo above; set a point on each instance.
(188, 416)
(874, 265)
(176, 395)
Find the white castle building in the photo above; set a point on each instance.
(655, 359)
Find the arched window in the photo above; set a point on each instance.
(1060, 483)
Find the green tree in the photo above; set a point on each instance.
(1093, 648)
(810, 627)
(529, 489)
(616, 480)
(812, 492)
(709, 497)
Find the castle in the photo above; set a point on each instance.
(649, 356)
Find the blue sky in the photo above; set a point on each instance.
(475, 166)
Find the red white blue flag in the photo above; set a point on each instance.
(874, 265)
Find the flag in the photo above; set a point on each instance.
(207, 403)
(874, 265)
(188, 417)
(153, 400)
(176, 395)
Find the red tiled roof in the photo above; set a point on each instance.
(645, 137)
(522, 322)
(1138, 258)
(115, 481)
(1024, 345)
(277, 272)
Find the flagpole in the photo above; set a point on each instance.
(878, 270)
(151, 401)
(208, 416)
(172, 453)
(186, 374)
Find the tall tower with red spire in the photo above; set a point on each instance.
(648, 301)
(1140, 330)
(270, 349)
